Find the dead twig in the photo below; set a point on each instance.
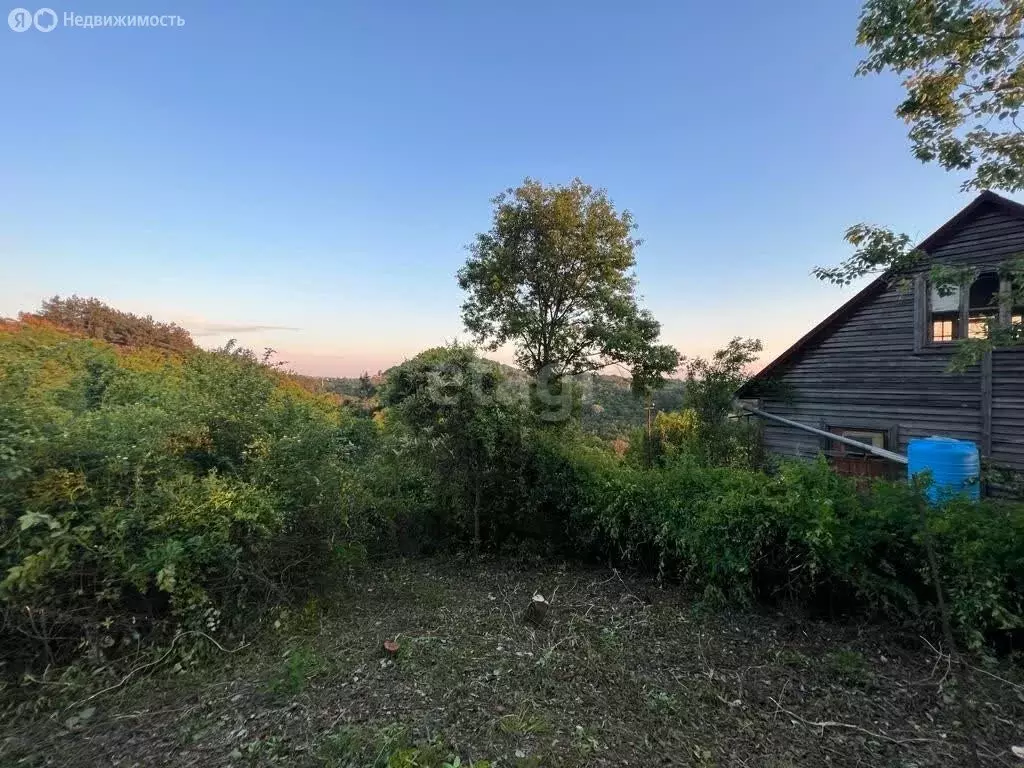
(960, 660)
(151, 664)
(823, 724)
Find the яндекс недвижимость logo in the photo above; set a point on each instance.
(22, 19)
(46, 20)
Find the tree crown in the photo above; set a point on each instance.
(553, 275)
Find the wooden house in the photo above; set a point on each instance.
(877, 369)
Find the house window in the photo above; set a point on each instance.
(875, 438)
(944, 314)
(952, 313)
(860, 463)
(944, 329)
(983, 305)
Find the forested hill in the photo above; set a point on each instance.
(609, 407)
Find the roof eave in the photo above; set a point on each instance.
(935, 240)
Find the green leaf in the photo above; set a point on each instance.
(32, 519)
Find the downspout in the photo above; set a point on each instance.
(900, 459)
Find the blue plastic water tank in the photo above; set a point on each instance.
(955, 466)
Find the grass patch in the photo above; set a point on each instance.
(389, 747)
(523, 724)
(849, 668)
(291, 676)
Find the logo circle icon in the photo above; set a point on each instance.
(45, 19)
(20, 19)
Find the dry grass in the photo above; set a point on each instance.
(624, 674)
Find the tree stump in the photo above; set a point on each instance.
(537, 612)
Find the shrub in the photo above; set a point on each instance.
(803, 535)
(140, 487)
(454, 416)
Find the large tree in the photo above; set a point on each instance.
(962, 71)
(553, 276)
(963, 74)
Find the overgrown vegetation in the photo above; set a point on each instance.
(140, 486)
(802, 536)
(147, 491)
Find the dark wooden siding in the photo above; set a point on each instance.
(1008, 407)
(865, 373)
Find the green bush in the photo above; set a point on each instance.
(466, 431)
(141, 486)
(802, 535)
(981, 557)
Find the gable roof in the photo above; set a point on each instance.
(935, 240)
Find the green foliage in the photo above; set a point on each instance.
(96, 320)
(803, 535)
(981, 562)
(466, 428)
(139, 488)
(297, 666)
(711, 385)
(363, 387)
(671, 434)
(707, 430)
(963, 73)
(848, 667)
(390, 747)
(611, 409)
(607, 407)
(876, 250)
(553, 276)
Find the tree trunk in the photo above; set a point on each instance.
(964, 671)
(476, 512)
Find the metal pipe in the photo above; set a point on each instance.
(822, 433)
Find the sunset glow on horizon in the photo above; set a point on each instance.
(316, 194)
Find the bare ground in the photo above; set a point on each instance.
(625, 673)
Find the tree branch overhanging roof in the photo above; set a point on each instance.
(936, 239)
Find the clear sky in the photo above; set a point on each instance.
(306, 175)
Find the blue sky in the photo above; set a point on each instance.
(306, 175)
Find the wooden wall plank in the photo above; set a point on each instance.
(875, 368)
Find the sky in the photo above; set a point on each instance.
(306, 176)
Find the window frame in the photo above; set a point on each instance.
(990, 311)
(890, 432)
(862, 466)
(848, 451)
(923, 316)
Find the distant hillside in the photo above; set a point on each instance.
(362, 387)
(95, 320)
(609, 408)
